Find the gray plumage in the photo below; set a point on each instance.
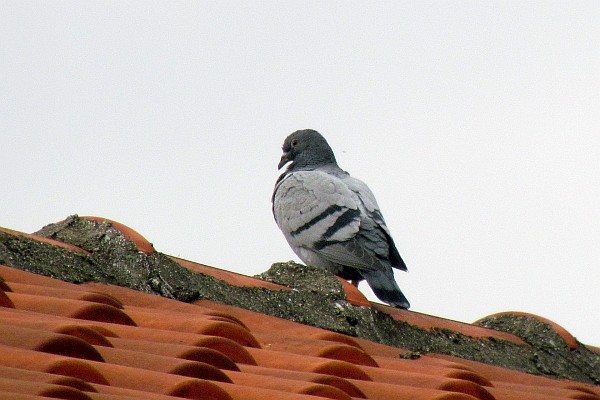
(331, 220)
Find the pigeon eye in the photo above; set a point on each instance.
(294, 142)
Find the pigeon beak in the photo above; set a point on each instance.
(284, 160)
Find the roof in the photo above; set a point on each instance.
(81, 319)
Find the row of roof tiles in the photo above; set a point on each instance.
(98, 341)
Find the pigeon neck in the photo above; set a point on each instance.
(311, 165)
(314, 159)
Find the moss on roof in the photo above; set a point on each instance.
(317, 299)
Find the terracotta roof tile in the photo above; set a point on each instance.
(47, 342)
(429, 322)
(42, 377)
(230, 277)
(342, 384)
(400, 390)
(63, 293)
(198, 323)
(353, 295)
(287, 385)
(78, 309)
(141, 243)
(52, 242)
(16, 275)
(318, 348)
(567, 337)
(103, 342)
(5, 301)
(15, 386)
(50, 363)
(193, 353)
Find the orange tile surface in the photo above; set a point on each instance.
(97, 341)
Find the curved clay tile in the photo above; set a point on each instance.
(329, 336)
(453, 365)
(57, 243)
(77, 369)
(498, 374)
(47, 342)
(106, 392)
(50, 363)
(567, 337)
(210, 357)
(428, 322)
(41, 389)
(168, 365)
(185, 314)
(336, 349)
(135, 300)
(401, 390)
(224, 317)
(431, 379)
(19, 396)
(229, 331)
(433, 360)
(516, 391)
(353, 295)
(198, 389)
(262, 324)
(288, 385)
(77, 309)
(340, 383)
(176, 318)
(325, 391)
(43, 377)
(468, 376)
(424, 366)
(5, 301)
(206, 325)
(311, 346)
(173, 385)
(64, 293)
(84, 333)
(513, 395)
(256, 393)
(277, 359)
(55, 324)
(341, 369)
(140, 242)
(228, 347)
(4, 286)
(466, 387)
(11, 275)
(184, 352)
(231, 278)
(581, 388)
(143, 379)
(347, 353)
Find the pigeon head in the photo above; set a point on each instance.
(306, 149)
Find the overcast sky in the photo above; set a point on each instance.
(476, 125)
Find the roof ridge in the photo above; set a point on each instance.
(115, 257)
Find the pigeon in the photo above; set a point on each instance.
(331, 220)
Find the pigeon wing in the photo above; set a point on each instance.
(316, 210)
(374, 234)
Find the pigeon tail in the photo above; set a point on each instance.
(386, 288)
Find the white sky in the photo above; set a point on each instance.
(476, 125)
